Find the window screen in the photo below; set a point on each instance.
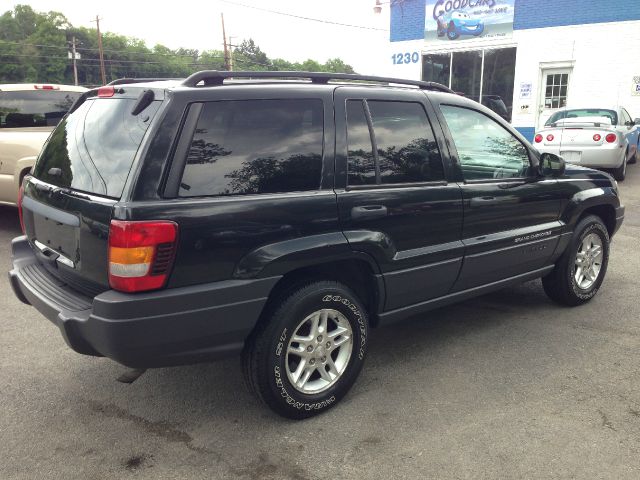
(255, 146)
(406, 149)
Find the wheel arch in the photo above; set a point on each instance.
(354, 272)
(605, 212)
(600, 201)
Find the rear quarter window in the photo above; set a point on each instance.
(244, 147)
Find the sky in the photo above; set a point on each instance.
(197, 24)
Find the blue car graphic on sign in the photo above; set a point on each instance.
(459, 23)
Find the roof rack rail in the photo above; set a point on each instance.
(123, 81)
(217, 77)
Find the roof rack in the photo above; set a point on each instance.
(217, 77)
(123, 81)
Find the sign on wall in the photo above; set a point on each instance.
(525, 90)
(450, 21)
(635, 86)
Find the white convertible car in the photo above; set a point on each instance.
(604, 138)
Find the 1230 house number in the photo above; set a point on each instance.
(407, 57)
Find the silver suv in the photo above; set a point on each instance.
(28, 114)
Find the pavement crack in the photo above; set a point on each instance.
(161, 429)
(605, 420)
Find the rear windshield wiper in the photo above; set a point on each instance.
(144, 100)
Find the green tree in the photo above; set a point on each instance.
(34, 48)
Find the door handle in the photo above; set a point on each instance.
(483, 201)
(366, 212)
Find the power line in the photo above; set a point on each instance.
(304, 18)
(105, 50)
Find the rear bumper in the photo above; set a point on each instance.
(168, 327)
(602, 156)
(619, 218)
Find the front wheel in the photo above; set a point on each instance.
(580, 270)
(634, 159)
(308, 351)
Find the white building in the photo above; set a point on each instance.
(523, 58)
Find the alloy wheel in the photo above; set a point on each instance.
(588, 261)
(319, 351)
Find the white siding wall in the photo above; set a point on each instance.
(606, 57)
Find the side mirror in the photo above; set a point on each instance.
(551, 165)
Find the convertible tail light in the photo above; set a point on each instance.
(611, 138)
(550, 137)
(537, 138)
(20, 197)
(141, 254)
(597, 137)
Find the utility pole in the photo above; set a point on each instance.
(230, 53)
(74, 56)
(227, 61)
(102, 72)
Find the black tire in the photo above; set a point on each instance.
(620, 173)
(560, 285)
(265, 358)
(634, 159)
(452, 33)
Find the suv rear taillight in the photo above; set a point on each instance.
(20, 197)
(141, 254)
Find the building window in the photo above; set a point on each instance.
(485, 76)
(556, 90)
(466, 74)
(436, 68)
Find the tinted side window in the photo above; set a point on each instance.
(255, 146)
(407, 149)
(362, 167)
(486, 150)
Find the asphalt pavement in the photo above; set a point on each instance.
(508, 385)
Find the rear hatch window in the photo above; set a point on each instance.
(37, 108)
(92, 150)
(589, 115)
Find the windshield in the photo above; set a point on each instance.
(92, 150)
(608, 115)
(37, 108)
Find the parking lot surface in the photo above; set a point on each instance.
(508, 385)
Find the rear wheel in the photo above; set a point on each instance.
(581, 269)
(634, 159)
(621, 172)
(308, 351)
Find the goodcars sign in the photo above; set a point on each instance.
(457, 20)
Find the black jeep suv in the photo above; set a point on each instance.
(283, 215)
